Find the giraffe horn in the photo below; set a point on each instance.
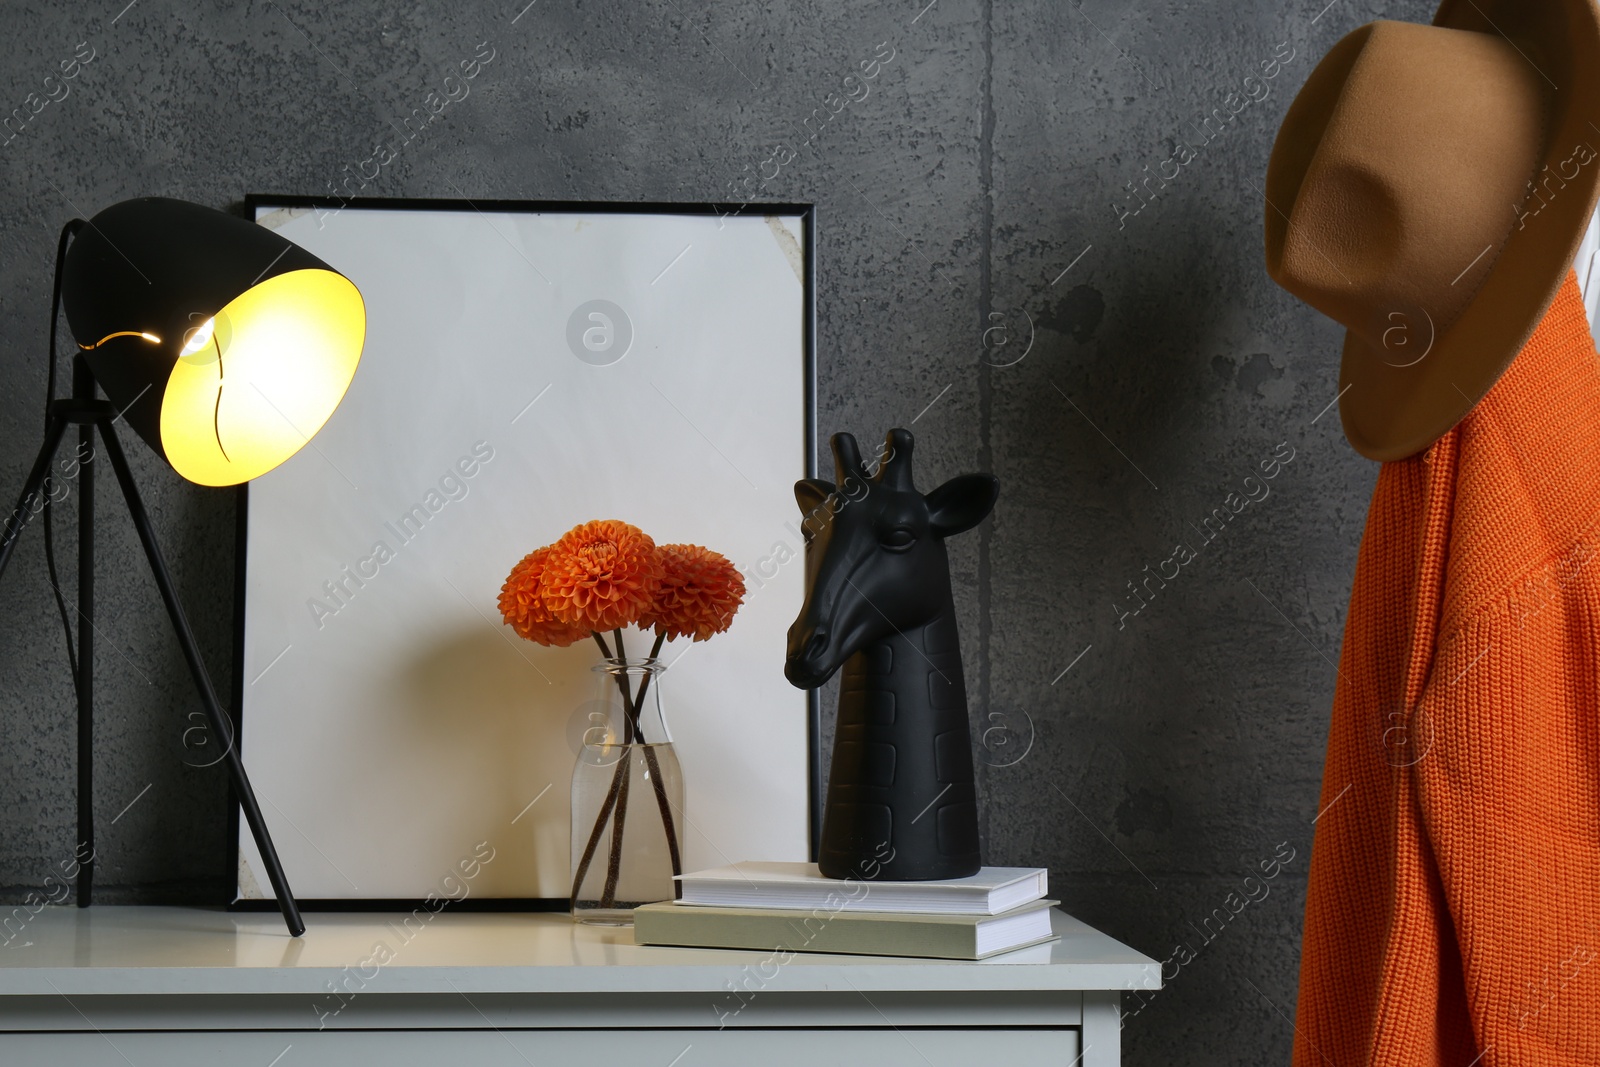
(846, 457)
(896, 470)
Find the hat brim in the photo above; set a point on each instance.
(1390, 412)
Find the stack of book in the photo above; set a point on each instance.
(792, 907)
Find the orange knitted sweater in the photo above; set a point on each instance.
(1453, 910)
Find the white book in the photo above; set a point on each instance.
(802, 887)
(871, 933)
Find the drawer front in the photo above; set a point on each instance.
(547, 1048)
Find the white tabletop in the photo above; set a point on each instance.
(109, 950)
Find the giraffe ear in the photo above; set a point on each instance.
(810, 493)
(961, 503)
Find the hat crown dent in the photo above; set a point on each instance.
(1431, 144)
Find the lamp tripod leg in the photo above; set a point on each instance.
(83, 389)
(215, 715)
(29, 502)
(28, 505)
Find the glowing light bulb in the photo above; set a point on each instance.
(199, 337)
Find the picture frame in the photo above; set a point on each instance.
(455, 320)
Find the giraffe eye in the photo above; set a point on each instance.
(898, 539)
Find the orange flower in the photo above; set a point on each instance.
(699, 595)
(522, 604)
(601, 575)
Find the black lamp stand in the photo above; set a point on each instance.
(85, 410)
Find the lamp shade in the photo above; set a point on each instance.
(225, 346)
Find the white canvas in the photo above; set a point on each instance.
(396, 727)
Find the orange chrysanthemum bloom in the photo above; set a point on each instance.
(601, 575)
(699, 595)
(522, 604)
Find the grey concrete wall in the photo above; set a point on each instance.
(973, 202)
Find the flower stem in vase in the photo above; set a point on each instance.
(629, 708)
(599, 826)
(666, 816)
(667, 820)
(617, 781)
(644, 683)
(623, 685)
(608, 897)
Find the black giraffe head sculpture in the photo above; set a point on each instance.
(901, 802)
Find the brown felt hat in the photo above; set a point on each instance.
(1428, 190)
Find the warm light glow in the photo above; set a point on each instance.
(199, 337)
(152, 338)
(274, 376)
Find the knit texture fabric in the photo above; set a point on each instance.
(1453, 909)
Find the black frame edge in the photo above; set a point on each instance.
(815, 784)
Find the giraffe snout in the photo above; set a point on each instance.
(806, 665)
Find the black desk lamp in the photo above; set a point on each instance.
(224, 346)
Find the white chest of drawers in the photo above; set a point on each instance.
(180, 987)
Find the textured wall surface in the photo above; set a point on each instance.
(988, 276)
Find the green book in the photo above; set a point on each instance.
(868, 933)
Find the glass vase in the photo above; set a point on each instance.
(627, 798)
